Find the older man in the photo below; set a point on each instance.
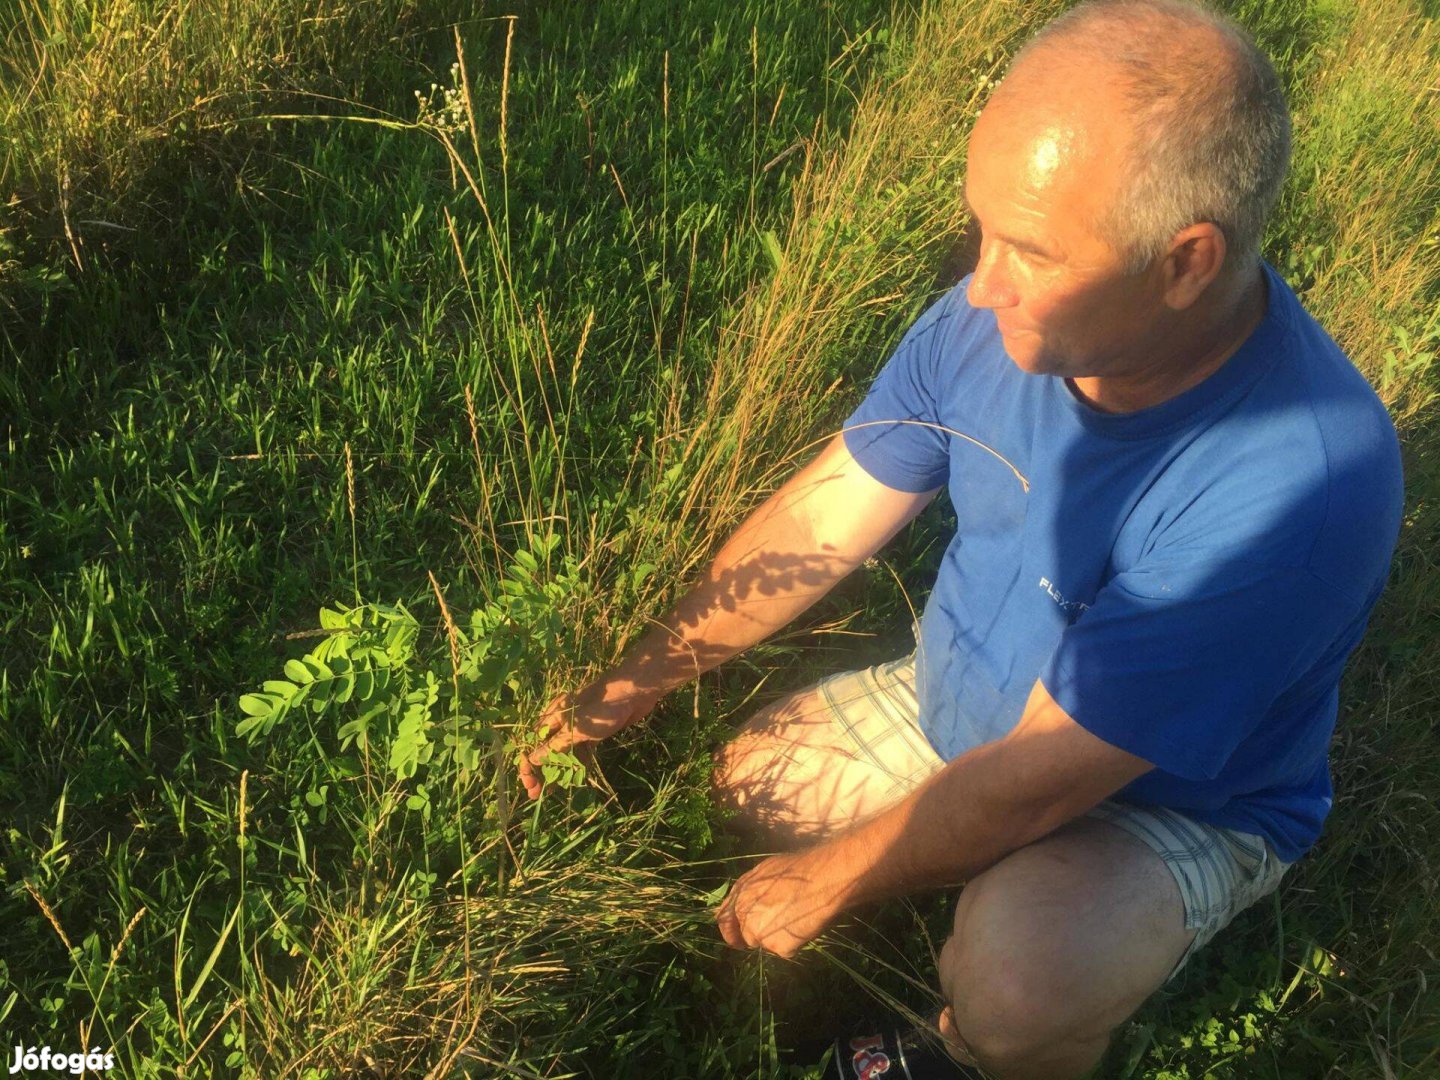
(1176, 504)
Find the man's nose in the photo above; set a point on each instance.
(991, 285)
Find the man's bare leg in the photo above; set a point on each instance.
(1054, 947)
(791, 777)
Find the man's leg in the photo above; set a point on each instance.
(1055, 946)
(824, 758)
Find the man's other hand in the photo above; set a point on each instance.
(572, 722)
(781, 904)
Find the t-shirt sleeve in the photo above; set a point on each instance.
(1177, 662)
(894, 434)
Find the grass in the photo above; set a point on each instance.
(103, 100)
(590, 302)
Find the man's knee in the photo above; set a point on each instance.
(1057, 944)
(783, 781)
(755, 785)
(728, 785)
(1001, 988)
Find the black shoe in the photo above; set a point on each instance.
(895, 1053)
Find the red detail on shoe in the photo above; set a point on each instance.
(868, 1060)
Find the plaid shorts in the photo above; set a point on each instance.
(1220, 872)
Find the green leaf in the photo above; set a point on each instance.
(352, 729)
(298, 672)
(490, 675)
(715, 895)
(771, 243)
(257, 704)
(332, 620)
(336, 645)
(284, 690)
(346, 767)
(210, 961)
(364, 685)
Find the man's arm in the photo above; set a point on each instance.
(983, 805)
(826, 520)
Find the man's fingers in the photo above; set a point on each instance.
(729, 925)
(557, 713)
(530, 764)
(733, 920)
(553, 730)
(752, 917)
(528, 779)
(784, 945)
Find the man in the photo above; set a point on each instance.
(1176, 504)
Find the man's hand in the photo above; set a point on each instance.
(781, 904)
(573, 722)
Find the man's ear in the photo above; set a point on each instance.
(1196, 257)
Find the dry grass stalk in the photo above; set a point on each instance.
(244, 779)
(125, 935)
(350, 483)
(452, 632)
(505, 92)
(49, 915)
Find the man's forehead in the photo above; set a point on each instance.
(1046, 167)
(1048, 141)
(1047, 160)
(1042, 151)
(1064, 106)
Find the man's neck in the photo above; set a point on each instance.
(1214, 342)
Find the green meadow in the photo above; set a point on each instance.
(370, 372)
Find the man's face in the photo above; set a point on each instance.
(1035, 176)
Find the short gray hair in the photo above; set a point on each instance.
(1210, 132)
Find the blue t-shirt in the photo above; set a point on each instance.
(1186, 580)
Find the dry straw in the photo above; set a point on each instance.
(49, 914)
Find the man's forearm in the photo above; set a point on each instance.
(953, 827)
(764, 576)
